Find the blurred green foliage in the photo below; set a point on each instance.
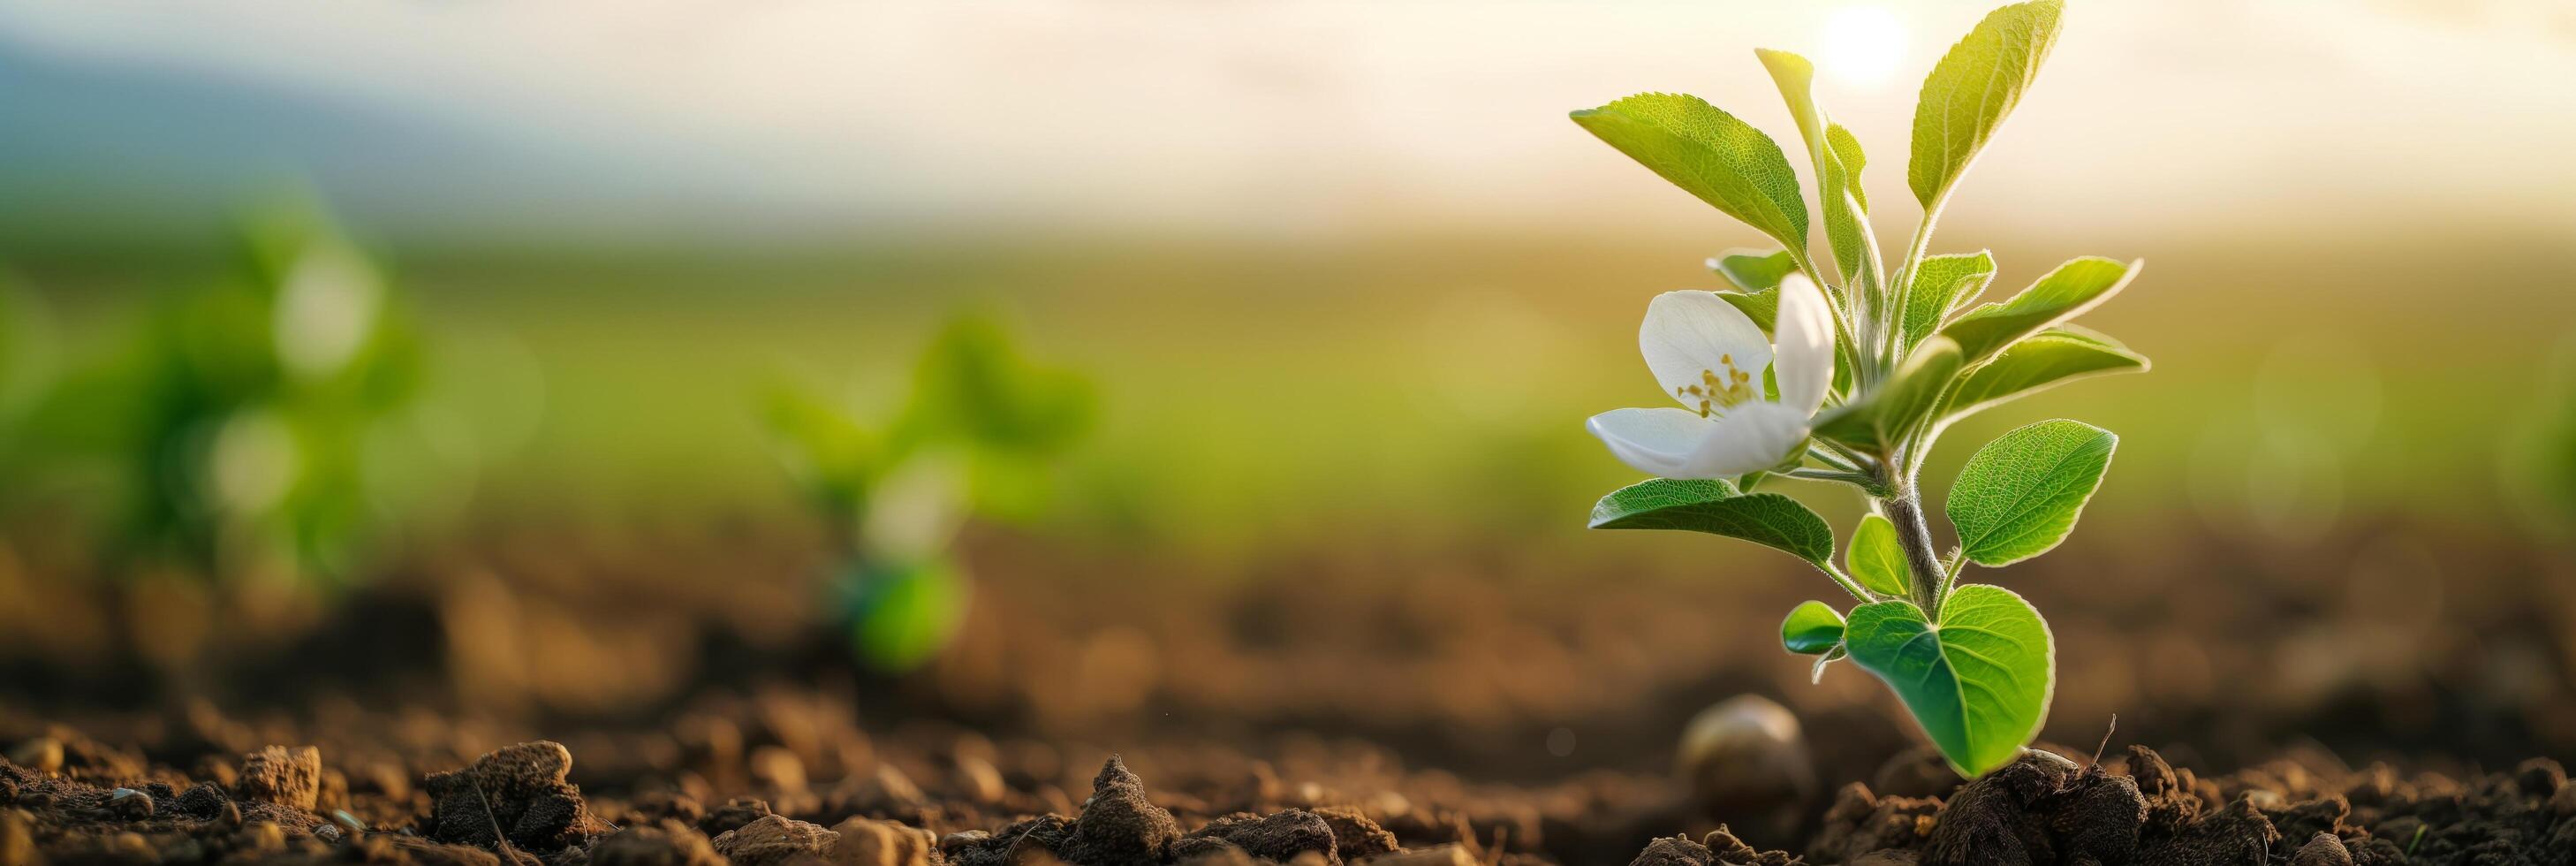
(976, 437)
(230, 432)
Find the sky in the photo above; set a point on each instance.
(1292, 118)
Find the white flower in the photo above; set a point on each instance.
(1711, 357)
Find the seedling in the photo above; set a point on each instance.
(1850, 378)
(242, 419)
(974, 438)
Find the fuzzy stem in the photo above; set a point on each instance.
(1905, 509)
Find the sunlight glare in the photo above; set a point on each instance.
(1862, 46)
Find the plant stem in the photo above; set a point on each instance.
(1905, 509)
(1847, 583)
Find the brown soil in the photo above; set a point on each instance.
(1492, 708)
(784, 785)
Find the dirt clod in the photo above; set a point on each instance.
(518, 792)
(1118, 825)
(868, 842)
(775, 839)
(651, 845)
(1675, 851)
(289, 777)
(1279, 836)
(734, 814)
(1355, 837)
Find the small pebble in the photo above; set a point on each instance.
(1746, 762)
(129, 804)
(2322, 850)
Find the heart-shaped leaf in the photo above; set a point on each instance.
(1710, 154)
(2019, 496)
(2047, 359)
(1876, 560)
(1972, 88)
(1811, 629)
(1978, 682)
(1713, 506)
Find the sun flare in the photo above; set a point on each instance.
(1862, 46)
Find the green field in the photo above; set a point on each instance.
(1284, 394)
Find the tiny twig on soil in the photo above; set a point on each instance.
(503, 842)
(2106, 739)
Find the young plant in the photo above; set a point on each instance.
(1851, 377)
(974, 438)
(243, 421)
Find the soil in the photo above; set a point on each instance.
(564, 698)
(776, 787)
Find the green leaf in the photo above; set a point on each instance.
(1753, 270)
(1846, 147)
(1710, 154)
(1811, 629)
(1713, 506)
(1940, 284)
(1763, 307)
(2048, 358)
(1971, 89)
(1876, 560)
(1979, 682)
(2019, 496)
(1876, 422)
(1837, 159)
(2076, 286)
(975, 385)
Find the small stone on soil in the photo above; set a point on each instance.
(773, 840)
(129, 804)
(2322, 850)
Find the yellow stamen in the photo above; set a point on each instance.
(1720, 391)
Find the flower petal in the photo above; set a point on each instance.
(1691, 335)
(1754, 437)
(1805, 332)
(1652, 441)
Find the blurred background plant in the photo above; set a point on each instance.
(976, 437)
(240, 429)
